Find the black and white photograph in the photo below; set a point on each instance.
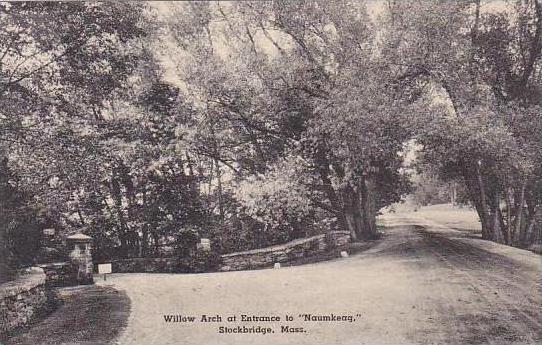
(275, 172)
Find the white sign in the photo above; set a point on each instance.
(104, 268)
(49, 232)
(205, 244)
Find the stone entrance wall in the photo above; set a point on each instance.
(301, 248)
(71, 263)
(251, 259)
(59, 273)
(23, 299)
(146, 265)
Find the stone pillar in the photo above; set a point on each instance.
(79, 246)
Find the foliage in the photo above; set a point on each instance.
(279, 199)
(201, 261)
(20, 226)
(148, 126)
(487, 82)
(59, 65)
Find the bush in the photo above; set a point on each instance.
(185, 241)
(200, 262)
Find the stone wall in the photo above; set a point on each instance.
(22, 299)
(202, 261)
(147, 265)
(297, 249)
(250, 259)
(59, 273)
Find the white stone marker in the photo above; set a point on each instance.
(344, 254)
(277, 265)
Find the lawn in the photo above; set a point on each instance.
(460, 218)
(87, 315)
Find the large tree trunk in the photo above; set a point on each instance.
(352, 223)
(478, 198)
(360, 210)
(487, 205)
(369, 208)
(484, 214)
(497, 225)
(352, 213)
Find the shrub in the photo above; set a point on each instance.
(200, 262)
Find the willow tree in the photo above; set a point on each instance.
(299, 79)
(480, 92)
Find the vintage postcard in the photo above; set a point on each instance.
(324, 172)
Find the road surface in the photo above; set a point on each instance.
(421, 284)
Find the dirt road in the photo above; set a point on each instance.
(421, 284)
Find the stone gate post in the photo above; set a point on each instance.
(79, 246)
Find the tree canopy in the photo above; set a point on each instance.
(254, 123)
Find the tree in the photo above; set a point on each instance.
(485, 74)
(59, 66)
(308, 92)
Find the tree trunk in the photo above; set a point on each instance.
(533, 229)
(369, 209)
(519, 231)
(477, 195)
(484, 216)
(453, 194)
(509, 209)
(156, 243)
(219, 190)
(354, 224)
(352, 214)
(344, 216)
(360, 210)
(497, 225)
(144, 242)
(116, 195)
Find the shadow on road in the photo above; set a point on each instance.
(88, 315)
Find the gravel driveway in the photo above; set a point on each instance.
(420, 285)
